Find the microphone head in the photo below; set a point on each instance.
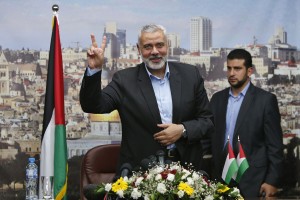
(204, 173)
(152, 158)
(160, 153)
(146, 164)
(126, 169)
(161, 157)
(137, 168)
(126, 166)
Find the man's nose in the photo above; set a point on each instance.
(230, 72)
(154, 50)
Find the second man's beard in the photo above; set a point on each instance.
(152, 65)
(240, 83)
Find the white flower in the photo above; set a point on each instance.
(175, 167)
(170, 177)
(186, 171)
(161, 188)
(209, 197)
(190, 181)
(125, 179)
(158, 170)
(149, 176)
(108, 187)
(146, 197)
(180, 193)
(201, 189)
(158, 177)
(135, 194)
(195, 176)
(236, 190)
(120, 193)
(138, 181)
(186, 174)
(132, 179)
(204, 182)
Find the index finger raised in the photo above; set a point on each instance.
(94, 43)
(103, 43)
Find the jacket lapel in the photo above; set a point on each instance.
(243, 111)
(223, 111)
(147, 91)
(175, 86)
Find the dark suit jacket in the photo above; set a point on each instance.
(131, 93)
(259, 130)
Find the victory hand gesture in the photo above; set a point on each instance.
(95, 54)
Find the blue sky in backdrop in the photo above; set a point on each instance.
(27, 23)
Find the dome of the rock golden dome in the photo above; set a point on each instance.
(110, 117)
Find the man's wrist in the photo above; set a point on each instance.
(184, 133)
(91, 72)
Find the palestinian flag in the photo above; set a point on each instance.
(230, 167)
(53, 158)
(242, 163)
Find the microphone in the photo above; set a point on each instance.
(137, 168)
(161, 157)
(146, 164)
(126, 170)
(168, 162)
(89, 191)
(153, 160)
(204, 173)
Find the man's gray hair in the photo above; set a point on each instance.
(152, 28)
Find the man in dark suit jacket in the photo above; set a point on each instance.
(251, 114)
(162, 105)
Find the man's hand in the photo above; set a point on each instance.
(170, 133)
(268, 190)
(95, 54)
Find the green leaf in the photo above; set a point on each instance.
(100, 190)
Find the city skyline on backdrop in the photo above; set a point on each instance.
(27, 24)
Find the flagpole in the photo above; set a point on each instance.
(230, 166)
(55, 9)
(53, 165)
(46, 179)
(242, 162)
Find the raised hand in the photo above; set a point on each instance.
(95, 54)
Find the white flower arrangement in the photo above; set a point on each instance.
(168, 182)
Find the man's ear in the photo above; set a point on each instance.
(138, 47)
(250, 71)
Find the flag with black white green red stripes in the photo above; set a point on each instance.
(53, 158)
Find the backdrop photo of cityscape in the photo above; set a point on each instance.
(200, 32)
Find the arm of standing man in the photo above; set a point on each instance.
(273, 136)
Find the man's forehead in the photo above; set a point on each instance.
(236, 60)
(152, 36)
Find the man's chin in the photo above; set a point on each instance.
(156, 66)
(234, 84)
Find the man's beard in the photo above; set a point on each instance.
(152, 65)
(240, 83)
